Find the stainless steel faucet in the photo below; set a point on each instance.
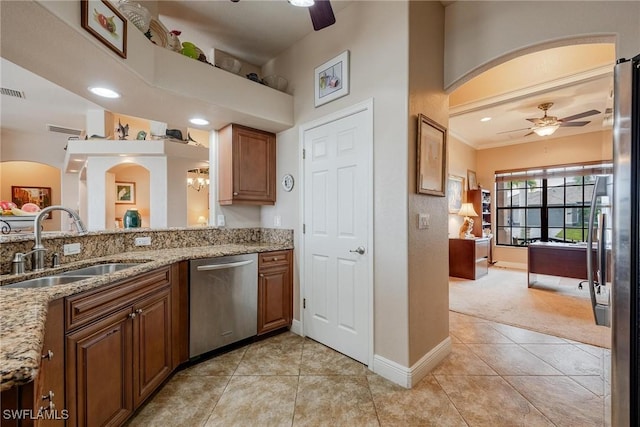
(37, 258)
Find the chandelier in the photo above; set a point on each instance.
(201, 179)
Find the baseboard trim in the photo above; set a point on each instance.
(296, 327)
(408, 377)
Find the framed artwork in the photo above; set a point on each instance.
(472, 180)
(455, 192)
(331, 79)
(106, 24)
(125, 193)
(41, 196)
(432, 157)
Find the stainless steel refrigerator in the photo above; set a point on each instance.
(625, 292)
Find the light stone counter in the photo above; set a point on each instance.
(23, 312)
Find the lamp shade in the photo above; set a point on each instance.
(546, 130)
(467, 210)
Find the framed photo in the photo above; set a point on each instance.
(432, 157)
(41, 196)
(331, 79)
(472, 180)
(106, 24)
(455, 192)
(125, 193)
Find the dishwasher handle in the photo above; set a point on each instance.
(223, 266)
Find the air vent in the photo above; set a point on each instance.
(62, 129)
(12, 92)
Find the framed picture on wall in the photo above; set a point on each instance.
(125, 193)
(332, 79)
(40, 196)
(432, 157)
(455, 192)
(106, 24)
(472, 180)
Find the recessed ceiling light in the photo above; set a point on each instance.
(301, 3)
(73, 170)
(198, 121)
(104, 92)
(485, 119)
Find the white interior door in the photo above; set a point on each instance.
(337, 197)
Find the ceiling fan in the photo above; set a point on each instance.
(320, 11)
(547, 125)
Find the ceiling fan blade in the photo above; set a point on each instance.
(321, 14)
(579, 116)
(573, 124)
(535, 121)
(515, 130)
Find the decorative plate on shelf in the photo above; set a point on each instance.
(159, 33)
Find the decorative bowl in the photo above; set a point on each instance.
(276, 82)
(136, 13)
(231, 65)
(16, 223)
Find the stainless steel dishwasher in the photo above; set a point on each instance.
(223, 301)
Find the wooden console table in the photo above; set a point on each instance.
(557, 259)
(469, 258)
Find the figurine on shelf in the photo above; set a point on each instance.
(466, 229)
(123, 131)
(174, 42)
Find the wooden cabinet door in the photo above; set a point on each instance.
(275, 297)
(151, 344)
(98, 369)
(247, 166)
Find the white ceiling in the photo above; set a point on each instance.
(256, 31)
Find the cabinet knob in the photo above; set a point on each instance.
(235, 194)
(138, 311)
(132, 315)
(51, 407)
(275, 258)
(261, 275)
(49, 396)
(48, 355)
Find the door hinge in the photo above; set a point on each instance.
(304, 303)
(304, 153)
(304, 228)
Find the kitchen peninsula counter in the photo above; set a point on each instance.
(24, 311)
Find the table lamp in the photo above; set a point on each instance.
(467, 211)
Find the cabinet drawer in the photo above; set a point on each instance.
(271, 259)
(482, 249)
(86, 307)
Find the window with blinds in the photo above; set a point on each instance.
(545, 204)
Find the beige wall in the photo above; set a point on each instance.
(376, 35)
(30, 174)
(555, 151)
(462, 157)
(428, 258)
(481, 34)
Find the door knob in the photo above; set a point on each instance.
(359, 250)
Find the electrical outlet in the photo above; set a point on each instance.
(423, 221)
(220, 221)
(71, 249)
(142, 241)
(277, 221)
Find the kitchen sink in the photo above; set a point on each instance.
(43, 282)
(98, 269)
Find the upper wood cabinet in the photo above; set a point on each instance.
(246, 166)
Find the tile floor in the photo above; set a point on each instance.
(496, 375)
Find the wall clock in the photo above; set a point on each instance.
(287, 182)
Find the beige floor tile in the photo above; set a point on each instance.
(256, 400)
(463, 361)
(184, 401)
(512, 359)
(525, 336)
(271, 359)
(426, 404)
(562, 400)
(224, 364)
(478, 333)
(283, 339)
(318, 359)
(567, 358)
(593, 383)
(490, 401)
(334, 401)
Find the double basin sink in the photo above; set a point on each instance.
(72, 275)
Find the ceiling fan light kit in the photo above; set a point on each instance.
(547, 125)
(546, 130)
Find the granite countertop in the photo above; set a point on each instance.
(24, 311)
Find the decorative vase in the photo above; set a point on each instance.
(132, 219)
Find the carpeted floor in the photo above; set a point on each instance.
(553, 306)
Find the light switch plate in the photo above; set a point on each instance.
(71, 249)
(277, 221)
(220, 221)
(423, 221)
(142, 241)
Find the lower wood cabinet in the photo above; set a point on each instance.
(275, 290)
(469, 258)
(114, 363)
